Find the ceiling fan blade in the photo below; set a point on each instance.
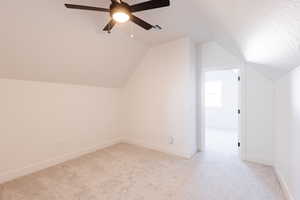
(73, 6)
(150, 5)
(141, 22)
(109, 26)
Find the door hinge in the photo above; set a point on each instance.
(239, 111)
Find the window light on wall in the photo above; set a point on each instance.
(213, 94)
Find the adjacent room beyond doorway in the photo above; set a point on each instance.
(221, 111)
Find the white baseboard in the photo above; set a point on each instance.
(157, 148)
(257, 160)
(13, 174)
(288, 195)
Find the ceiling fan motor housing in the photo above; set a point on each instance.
(120, 7)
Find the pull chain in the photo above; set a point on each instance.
(131, 30)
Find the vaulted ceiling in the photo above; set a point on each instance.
(263, 31)
(43, 41)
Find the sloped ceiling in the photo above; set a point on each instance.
(182, 18)
(43, 41)
(265, 32)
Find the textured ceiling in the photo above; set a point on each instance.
(265, 32)
(43, 41)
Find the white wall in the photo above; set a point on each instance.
(213, 56)
(287, 162)
(46, 123)
(160, 99)
(259, 117)
(224, 117)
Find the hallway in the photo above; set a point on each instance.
(221, 141)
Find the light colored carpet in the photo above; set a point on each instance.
(126, 172)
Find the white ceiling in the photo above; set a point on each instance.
(182, 18)
(265, 32)
(41, 40)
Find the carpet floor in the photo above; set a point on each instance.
(127, 172)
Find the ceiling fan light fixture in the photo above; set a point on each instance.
(121, 12)
(120, 16)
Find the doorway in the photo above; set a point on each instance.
(222, 111)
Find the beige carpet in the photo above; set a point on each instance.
(125, 172)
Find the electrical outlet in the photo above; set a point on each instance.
(171, 140)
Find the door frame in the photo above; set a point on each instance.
(201, 132)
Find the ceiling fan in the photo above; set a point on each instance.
(121, 12)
